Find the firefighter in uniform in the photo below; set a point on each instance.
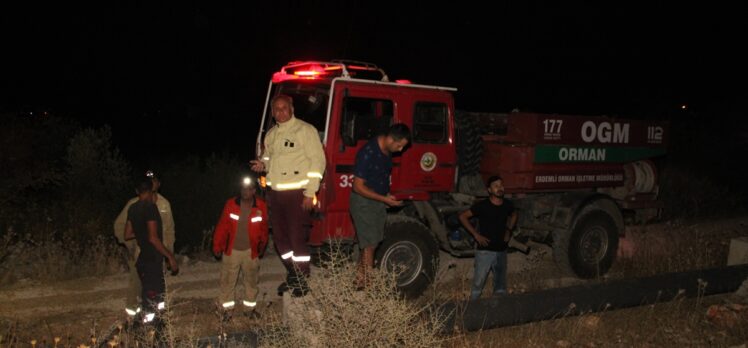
(132, 304)
(239, 240)
(294, 161)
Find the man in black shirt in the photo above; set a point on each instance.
(496, 219)
(144, 224)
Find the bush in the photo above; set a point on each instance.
(97, 179)
(334, 314)
(32, 154)
(45, 256)
(66, 186)
(64, 189)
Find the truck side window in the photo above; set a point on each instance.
(364, 118)
(430, 123)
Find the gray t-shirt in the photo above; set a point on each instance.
(241, 241)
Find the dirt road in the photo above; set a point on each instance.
(90, 304)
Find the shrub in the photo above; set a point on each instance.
(97, 179)
(334, 314)
(64, 190)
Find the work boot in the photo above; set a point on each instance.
(288, 284)
(300, 291)
(291, 282)
(300, 288)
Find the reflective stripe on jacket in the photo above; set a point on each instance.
(257, 227)
(293, 157)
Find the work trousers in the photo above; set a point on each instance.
(231, 266)
(151, 273)
(134, 289)
(290, 225)
(132, 303)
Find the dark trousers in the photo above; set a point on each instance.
(290, 225)
(151, 274)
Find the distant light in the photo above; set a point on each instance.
(405, 82)
(683, 107)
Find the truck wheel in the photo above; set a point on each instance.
(590, 247)
(469, 144)
(409, 250)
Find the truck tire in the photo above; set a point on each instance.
(408, 248)
(469, 144)
(589, 247)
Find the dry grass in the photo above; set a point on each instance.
(341, 316)
(48, 257)
(334, 314)
(676, 246)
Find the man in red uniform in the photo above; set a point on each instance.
(240, 239)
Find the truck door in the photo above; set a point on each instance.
(359, 113)
(428, 164)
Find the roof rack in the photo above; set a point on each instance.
(356, 62)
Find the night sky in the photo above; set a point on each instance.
(204, 66)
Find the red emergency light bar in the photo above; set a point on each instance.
(312, 70)
(307, 71)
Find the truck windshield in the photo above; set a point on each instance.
(309, 102)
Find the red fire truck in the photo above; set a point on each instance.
(574, 179)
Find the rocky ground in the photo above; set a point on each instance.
(74, 310)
